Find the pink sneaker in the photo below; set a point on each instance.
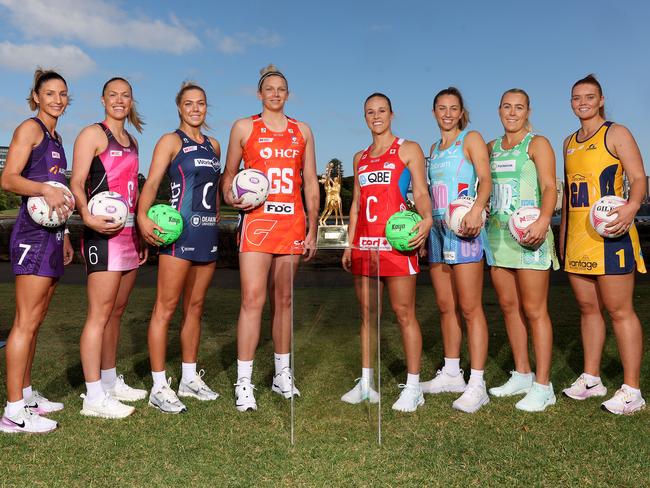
(581, 390)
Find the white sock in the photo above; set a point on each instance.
(159, 379)
(413, 379)
(366, 375)
(476, 377)
(591, 379)
(27, 392)
(525, 375)
(452, 366)
(108, 377)
(546, 387)
(94, 390)
(13, 408)
(245, 370)
(189, 371)
(282, 361)
(636, 391)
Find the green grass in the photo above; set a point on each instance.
(11, 212)
(573, 444)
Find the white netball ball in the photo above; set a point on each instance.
(520, 220)
(456, 211)
(598, 214)
(39, 210)
(109, 204)
(252, 186)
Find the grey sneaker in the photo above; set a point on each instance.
(165, 400)
(196, 388)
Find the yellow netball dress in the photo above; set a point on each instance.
(590, 173)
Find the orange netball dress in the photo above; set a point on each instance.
(278, 225)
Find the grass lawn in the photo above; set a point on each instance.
(572, 444)
(12, 212)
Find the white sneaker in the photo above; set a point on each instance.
(444, 383)
(40, 405)
(538, 398)
(124, 393)
(410, 398)
(284, 384)
(106, 407)
(581, 390)
(26, 421)
(196, 388)
(244, 396)
(165, 400)
(517, 384)
(624, 402)
(474, 397)
(362, 391)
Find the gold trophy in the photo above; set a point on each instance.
(332, 236)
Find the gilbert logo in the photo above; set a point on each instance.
(115, 154)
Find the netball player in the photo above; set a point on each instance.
(382, 175)
(523, 174)
(601, 270)
(458, 164)
(185, 268)
(37, 253)
(272, 236)
(106, 159)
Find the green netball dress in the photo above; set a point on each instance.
(514, 185)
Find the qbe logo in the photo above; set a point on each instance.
(278, 208)
(375, 178)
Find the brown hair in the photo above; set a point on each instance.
(134, 117)
(380, 95)
(519, 91)
(186, 86)
(590, 79)
(452, 90)
(270, 70)
(41, 76)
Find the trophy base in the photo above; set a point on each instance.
(332, 237)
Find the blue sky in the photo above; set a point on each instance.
(334, 54)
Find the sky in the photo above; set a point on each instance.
(334, 54)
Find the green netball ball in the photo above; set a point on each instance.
(398, 229)
(169, 220)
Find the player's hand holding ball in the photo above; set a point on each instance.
(249, 190)
(107, 213)
(149, 230)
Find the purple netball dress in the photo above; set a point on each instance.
(34, 249)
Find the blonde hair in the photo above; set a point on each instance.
(186, 86)
(519, 91)
(134, 118)
(41, 76)
(270, 70)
